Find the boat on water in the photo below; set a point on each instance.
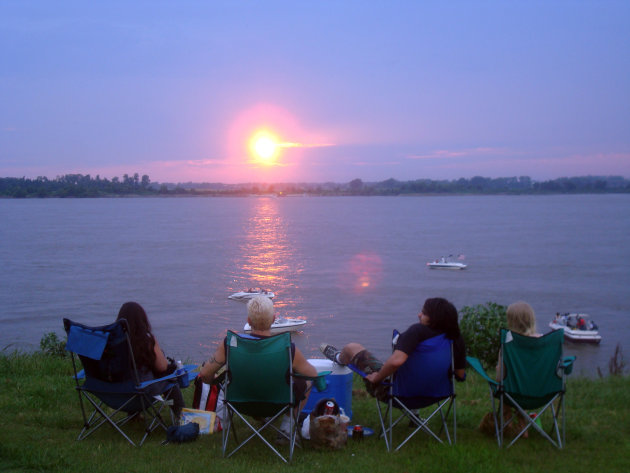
(281, 324)
(244, 296)
(577, 327)
(445, 262)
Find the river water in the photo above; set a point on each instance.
(353, 267)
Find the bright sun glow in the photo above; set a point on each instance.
(264, 148)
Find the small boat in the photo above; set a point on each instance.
(281, 324)
(244, 296)
(577, 327)
(446, 263)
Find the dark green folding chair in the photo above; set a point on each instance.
(259, 389)
(534, 380)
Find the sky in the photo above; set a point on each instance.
(314, 91)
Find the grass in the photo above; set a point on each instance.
(40, 419)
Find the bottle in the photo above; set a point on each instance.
(357, 433)
(182, 375)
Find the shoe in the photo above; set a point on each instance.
(285, 431)
(330, 352)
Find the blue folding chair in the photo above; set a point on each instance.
(420, 389)
(109, 381)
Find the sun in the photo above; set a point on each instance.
(264, 147)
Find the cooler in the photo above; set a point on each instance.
(339, 386)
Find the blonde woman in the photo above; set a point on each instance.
(521, 319)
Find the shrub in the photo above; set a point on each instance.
(480, 328)
(51, 345)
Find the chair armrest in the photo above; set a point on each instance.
(363, 375)
(476, 365)
(188, 371)
(566, 364)
(355, 369)
(319, 381)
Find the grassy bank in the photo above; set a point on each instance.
(40, 419)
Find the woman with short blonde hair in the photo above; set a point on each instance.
(260, 313)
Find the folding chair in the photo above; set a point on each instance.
(259, 384)
(109, 381)
(534, 379)
(424, 384)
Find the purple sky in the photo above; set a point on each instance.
(349, 89)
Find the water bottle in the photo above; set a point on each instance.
(182, 375)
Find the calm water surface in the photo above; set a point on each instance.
(353, 267)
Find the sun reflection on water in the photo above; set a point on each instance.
(266, 259)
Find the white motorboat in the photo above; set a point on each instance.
(577, 327)
(446, 263)
(281, 324)
(244, 296)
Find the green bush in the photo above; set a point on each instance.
(51, 345)
(480, 326)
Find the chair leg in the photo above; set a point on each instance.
(257, 433)
(529, 422)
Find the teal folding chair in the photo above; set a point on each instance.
(109, 382)
(258, 389)
(534, 381)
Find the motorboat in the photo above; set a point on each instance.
(244, 296)
(281, 324)
(577, 327)
(446, 263)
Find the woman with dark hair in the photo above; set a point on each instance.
(150, 360)
(438, 316)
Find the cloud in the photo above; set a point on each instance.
(472, 152)
(303, 145)
(381, 163)
(198, 162)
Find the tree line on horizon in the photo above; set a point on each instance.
(78, 185)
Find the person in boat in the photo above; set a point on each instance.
(592, 325)
(438, 316)
(260, 316)
(150, 359)
(581, 323)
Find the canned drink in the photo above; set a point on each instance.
(330, 408)
(357, 432)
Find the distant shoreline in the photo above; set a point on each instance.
(80, 186)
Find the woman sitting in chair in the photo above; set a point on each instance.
(150, 360)
(438, 316)
(260, 316)
(521, 319)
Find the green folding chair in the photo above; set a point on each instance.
(534, 380)
(259, 385)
